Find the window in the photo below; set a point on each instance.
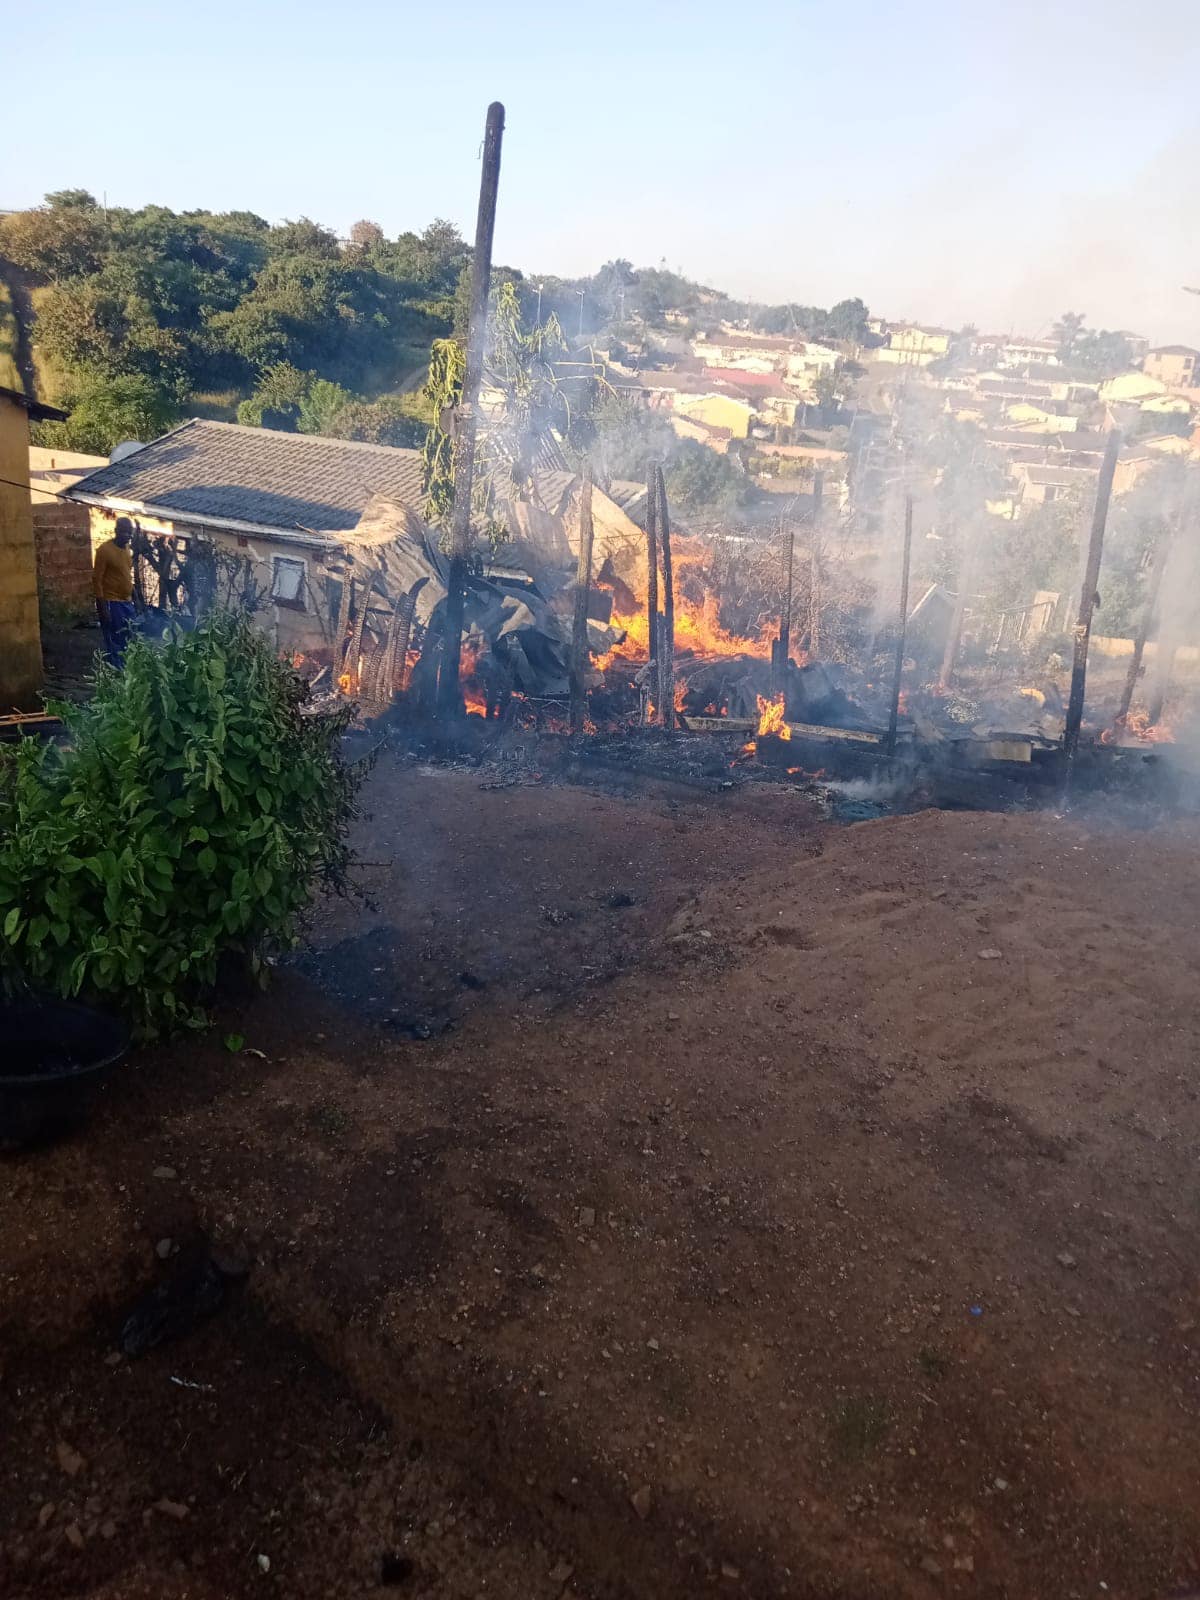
(287, 583)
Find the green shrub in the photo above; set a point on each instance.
(193, 814)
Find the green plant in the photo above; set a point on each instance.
(193, 815)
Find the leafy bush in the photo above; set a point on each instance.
(194, 814)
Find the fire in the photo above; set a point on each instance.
(772, 718)
(697, 630)
(1137, 725)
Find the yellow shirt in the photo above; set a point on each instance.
(112, 572)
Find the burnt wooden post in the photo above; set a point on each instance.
(1165, 651)
(449, 699)
(666, 652)
(1087, 596)
(814, 576)
(652, 566)
(781, 648)
(583, 584)
(894, 717)
(957, 617)
(1145, 623)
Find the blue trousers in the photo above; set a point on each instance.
(115, 622)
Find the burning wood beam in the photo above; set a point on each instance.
(898, 674)
(466, 422)
(583, 584)
(666, 655)
(1087, 597)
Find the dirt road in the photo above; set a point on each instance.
(770, 1210)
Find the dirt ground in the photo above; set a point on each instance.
(649, 1197)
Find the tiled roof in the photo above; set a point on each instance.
(220, 472)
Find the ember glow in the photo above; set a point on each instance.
(1137, 725)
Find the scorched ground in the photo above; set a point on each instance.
(772, 1210)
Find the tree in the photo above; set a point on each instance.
(50, 244)
(104, 411)
(72, 200)
(848, 321)
(364, 234)
(700, 480)
(281, 391)
(398, 420)
(1067, 331)
(304, 238)
(1102, 352)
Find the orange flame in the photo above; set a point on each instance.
(1137, 725)
(772, 718)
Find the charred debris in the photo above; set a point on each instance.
(591, 645)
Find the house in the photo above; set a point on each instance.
(279, 521)
(1037, 485)
(745, 352)
(20, 627)
(1018, 352)
(708, 397)
(913, 346)
(705, 433)
(1175, 365)
(718, 410)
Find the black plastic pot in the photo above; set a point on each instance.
(54, 1055)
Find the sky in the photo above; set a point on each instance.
(951, 161)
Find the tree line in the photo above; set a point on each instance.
(142, 316)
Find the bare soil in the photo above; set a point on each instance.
(773, 1209)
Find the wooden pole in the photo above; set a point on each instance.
(1165, 652)
(449, 697)
(894, 718)
(1087, 596)
(652, 566)
(583, 584)
(1145, 623)
(814, 580)
(666, 657)
(957, 617)
(782, 648)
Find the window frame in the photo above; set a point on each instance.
(300, 601)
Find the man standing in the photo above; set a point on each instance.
(112, 582)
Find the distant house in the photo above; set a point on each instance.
(706, 433)
(1175, 365)
(1016, 352)
(1037, 485)
(745, 352)
(913, 346)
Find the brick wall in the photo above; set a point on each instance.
(64, 554)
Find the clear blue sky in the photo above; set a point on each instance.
(952, 160)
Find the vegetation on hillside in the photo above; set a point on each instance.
(146, 315)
